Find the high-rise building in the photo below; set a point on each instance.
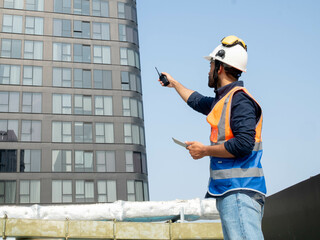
(71, 114)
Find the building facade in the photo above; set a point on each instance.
(71, 113)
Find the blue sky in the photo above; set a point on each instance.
(282, 74)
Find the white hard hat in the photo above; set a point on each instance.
(235, 56)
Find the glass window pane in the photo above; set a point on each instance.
(111, 163)
(105, 31)
(16, 49)
(108, 106)
(135, 134)
(139, 190)
(67, 187)
(14, 101)
(112, 191)
(102, 187)
(35, 160)
(24, 187)
(57, 27)
(36, 131)
(109, 133)
(56, 191)
(37, 76)
(56, 132)
(38, 26)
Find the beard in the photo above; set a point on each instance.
(211, 80)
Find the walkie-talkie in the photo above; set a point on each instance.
(163, 78)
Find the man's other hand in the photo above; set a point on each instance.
(196, 149)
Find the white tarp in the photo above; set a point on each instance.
(190, 210)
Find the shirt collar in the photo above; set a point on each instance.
(221, 92)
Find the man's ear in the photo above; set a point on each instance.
(220, 69)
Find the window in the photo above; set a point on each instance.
(31, 131)
(81, 53)
(130, 81)
(61, 77)
(129, 161)
(128, 34)
(9, 101)
(30, 191)
(81, 7)
(17, 4)
(83, 132)
(121, 10)
(107, 190)
(10, 74)
(9, 130)
(144, 164)
(62, 52)
(82, 78)
(103, 105)
(61, 132)
(32, 102)
(104, 133)
(83, 161)
(33, 49)
(82, 104)
(145, 191)
(34, 25)
(34, 5)
(101, 54)
(132, 107)
(100, 31)
(12, 24)
(135, 191)
(7, 192)
(127, 11)
(32, 75)
(11, 48)
(129, 57)
(62, 27)
(81, 29)
(136, 162)
(61, 103)
(61, 161)
(102, 79)
(133, 134)
(106, 161)
(30, 160)
(8, 160)
(100, 8)
(62, 6)
(84, 191)
(61, 191)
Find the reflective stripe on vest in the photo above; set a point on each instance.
(236, 173)
(227, 174)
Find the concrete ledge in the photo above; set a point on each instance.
(108, 230)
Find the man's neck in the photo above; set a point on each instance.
(225, 81)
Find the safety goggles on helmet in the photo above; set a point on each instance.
(231, 41)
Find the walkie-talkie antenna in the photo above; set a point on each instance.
(157, 71)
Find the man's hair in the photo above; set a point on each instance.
(235, 73)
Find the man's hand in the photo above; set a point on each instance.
(196, 149)
(171, 80)
(183, 91)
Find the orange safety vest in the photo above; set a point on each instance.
(228, 174)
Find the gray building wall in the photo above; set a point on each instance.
(46, 174)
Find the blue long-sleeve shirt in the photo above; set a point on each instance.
(245, 114)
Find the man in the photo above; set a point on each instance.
(236, 177)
